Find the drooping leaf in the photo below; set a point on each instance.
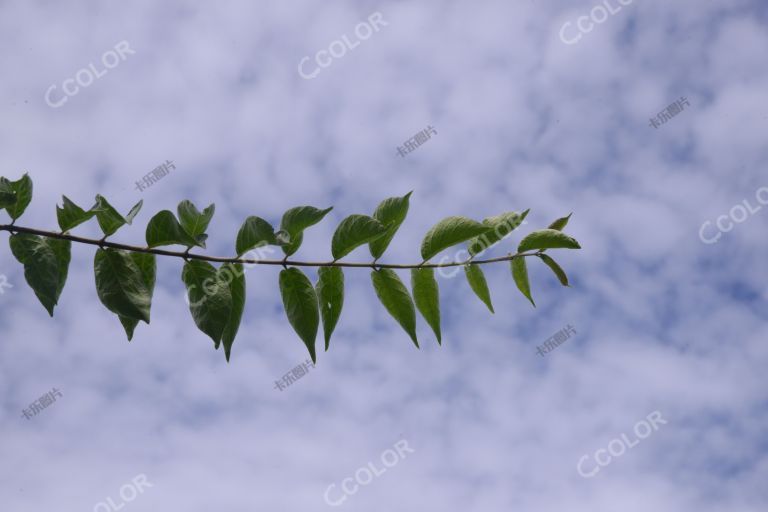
(70, 215)
(479, 285)
(449, 232)
(46, 264)
(500, 226)
(353, 232)
(520, 275)
(7, 195)
(395, 297)
(301, 307)
(109, 218)
(164, 229)
(391, 212)
(147, 264)
(330, 296)
(295, 221)
(255, 232)
(235, 275)
(120, 284)
(559, 272)
(560, 223)
(194, 222)
(22, 190)
(426, 295)
(547, 239)
(210, 298)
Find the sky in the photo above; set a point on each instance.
(561, 106)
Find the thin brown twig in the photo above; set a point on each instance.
(219, 259)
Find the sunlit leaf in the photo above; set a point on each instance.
(520, 275)
(449, 232)
(547, 239)
(426, 295)
(391, 212)
(353, 232)
(479, 285)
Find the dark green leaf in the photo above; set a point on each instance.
(70, 215)
(560, 223)
(235, 275)
(353, 232)
(520, 275)
(559, 272)
(120, 284)
(109, 218)
(500, 226)
(547, 239)
(46, 263)
(164, 229)
(22, 189)
(295, 221)
(147, 264)
(194, 222)
(255, 232)
(330, 295)
(449, 232)
(210, 298)
(7, 195)
(390, 212)
(395, 297)
(479, 285)
(300, 302)
(426, 295)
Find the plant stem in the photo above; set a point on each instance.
(219, 259)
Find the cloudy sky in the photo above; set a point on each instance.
(540, 105)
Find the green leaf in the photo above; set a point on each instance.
(70, 215)
(560, 223)
(236, 272)
(109, 218)
(330, 295)
(164, 229)
(390, 212)
(426, 295)
(194, 222)
(120, 284)
(22, 190)
(520, 275)
(500, 226)
(301, 307)
(479, 285)
(7, 195)
(255, 232)
(559, 272)
(210, 298)
(547, 239)
(395, 297)
(353, 232)
(449, 232)
(295, 221)
(46, 264)
(147, 264)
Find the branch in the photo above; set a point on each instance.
(222, 259)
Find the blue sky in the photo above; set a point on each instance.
(664, 321)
